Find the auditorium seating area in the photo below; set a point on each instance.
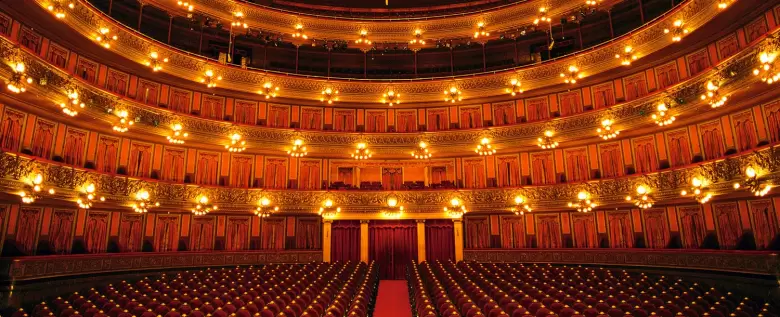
(518, 290)
(313, 289)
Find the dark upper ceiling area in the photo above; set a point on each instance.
(383, 8)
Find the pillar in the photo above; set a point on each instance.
(326, 233)
(427, 178)
(357, 177)
(458, 230)
(364, 240)
(420, 240)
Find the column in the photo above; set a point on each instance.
(364, 240)
(357, 177)
(458, 230)
(420, 240)
(326, 233)
(427, 172)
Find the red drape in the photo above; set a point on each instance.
(131, 232)
(106, 155)
(439, 240)
(307, 233)
(392, 178)
(345, 241)
(173, 165)
(655, 228)
(241, 171)
(585, 235)
(345, 175)
(74, 147)
(140, 160)
(393, 245)
(512, 232)
(202, 236)
(438, 174)
(237, 235)
(27, 234)
(621, 234)
(273, 234)
(61, 232)
(166, 233)
(96, 231)
(477, 233)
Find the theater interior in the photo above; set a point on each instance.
(389, 158)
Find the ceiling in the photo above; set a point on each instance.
(387, 4)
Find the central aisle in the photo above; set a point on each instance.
(393, 299)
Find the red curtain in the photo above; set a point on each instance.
(131, 232)
(438, 174)
(273, 234)
(74, 147)
(202, 236)
(140, 160)
(307, 234)
(477, 233)
(96, 231)
(392, 178)
(393, 244)
(621, 234)
(345, 241)
(61, 232)
(237, 235)
(439, 240)
(166, 233)
(345, 175)
(512, 232)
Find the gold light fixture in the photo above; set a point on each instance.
(329, 95)
(203, 207)
(485, 148)
(298, 149)
(88, 196)
(187, 6)
(713, 96)
(298, 33)
(583, 203)
(19, 80)
(363, 38)
(417, 42)
(643, 200)
(394, 209)
(177, 134)
(72, 106)
(753, 184)
(143, 202)
(678, 30)
(155, 62)
(723, 4)
(105, 38)
(33, 188)
(239, 20)
(592, 3)
(699, 190)
(542, 16)
(421, 152)
(572, 75)
(362, 152)
(236, 144)
(209, 79)
(453, 95)
(481, 30)
(456, 209)
(606, 131)
(521, 206)
(514, 87)
(662, 117)
(628, 56)
(264, 209)
(57, 7)
(767, 70)
(269, 90)
(328, 210)
(123, 124)
(546, 141)
(390, 97)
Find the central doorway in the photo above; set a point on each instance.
(392, 244)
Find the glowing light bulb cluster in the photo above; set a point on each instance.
(155, 62)
(546, 141)
(678, 30)
(421, 152)
(362, 152)
(72, 106)
(393, 209)
(187, 6)
(124, 123)
(514, 87)
(329, 95)
(583, 203)
(417, 42)
(264, 209)
(105, 38)
(328, 210)
(33, 189)
(713, 96)
(768, 71)
(572, 75)
(143, 202)
(485, 148)
(269, 90)
(298, 149)
(453, 95)
(627, 57)
(753, 184)
(363, 38)
(236, 144)
(643, 199)
(88, 196)
(19, 80)
(210, 79)
(662, 117)
(606, 131)
(203, 207)
(57, 7)
(723, 4)
(177, 134)
(699, 191)
(521, 206)
(391, 97)
(456, 209)
(298, 33)
(592, 3)
(542, 16)
(239, 20)
(481, 30)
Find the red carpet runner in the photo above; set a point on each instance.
(393, 299)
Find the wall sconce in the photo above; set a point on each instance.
(209, 80)
(546, 141)
(298, 149)
(177, 134)
(485, 148)
(329, 95)
(678, 30)
(606, 132)
(70, 108)
(712, 96)
(186, 6)
(456, 209)
(155, 62)
(124, 123)
(19, 79)
(627, 57)
(753, 184)
(269, 90)
(264, 209)
(362, 152)
(391, 98)
(363, 43)
(662, 117)
(699, 191)
(514, 87)
(542, 16)
(767, 69)
(421, 152)
(521, 206)
(236, 144)
(57, 7)
(723, 4)
(643, 199)
(88, 196)
(452, 95)
(203, 206)
(143, 202)
(481, 30)
(33, 188)
(104, 37)
(572, 75)
(583, 203)
(328, 210)
(239, 20)
(417, 42)
(394, 209)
